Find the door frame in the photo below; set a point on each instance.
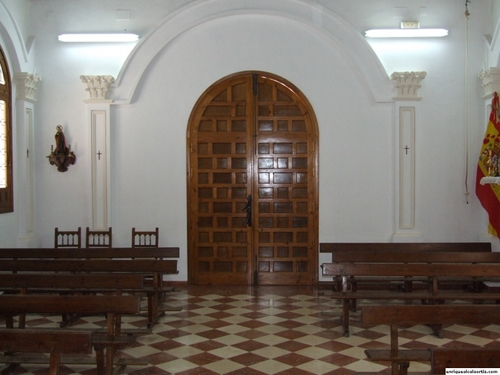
(314, 134)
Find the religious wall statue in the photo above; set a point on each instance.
(60, 142)
(61, 156)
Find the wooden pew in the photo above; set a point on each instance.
(359, 251)
(378, 250)
(55, 342)
(91, 253)
(104, 345)
(432, 272)
(57, 283)
(443, 358)
(64, 282)
(145, 267)
(383, 247)
(415, 257)
(414, 315)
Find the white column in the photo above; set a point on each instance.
(407, 108)
(491, 83)
(98, 117)
(24, 192)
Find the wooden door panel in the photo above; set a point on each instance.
(284, 169)
(252, 135)
(219, 238)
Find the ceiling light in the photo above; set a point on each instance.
(409, 29)
(98, 38)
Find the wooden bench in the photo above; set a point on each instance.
(414, 315)
(91, 253)
(383, 247)
(415, 257)
(443, 358)
(51, 341)
(357, 252)
(153, 268)
(61, 283)
(105, 345)
(430, 273)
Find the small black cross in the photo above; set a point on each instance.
(406, 149)
(99, 155)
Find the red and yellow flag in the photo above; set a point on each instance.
(489, 194)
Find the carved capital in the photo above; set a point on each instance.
(408, 84)
(491, 81)
(97, 86)
(26, 85)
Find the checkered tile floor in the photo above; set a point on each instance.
(261, 331)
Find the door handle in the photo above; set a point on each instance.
(248, 209)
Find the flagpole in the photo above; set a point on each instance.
(466, 104)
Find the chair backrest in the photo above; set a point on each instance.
(145, 238)
(71, 238)
(98, 238)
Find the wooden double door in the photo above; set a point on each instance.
(252, 184)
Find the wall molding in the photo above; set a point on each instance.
(407, 109)
(344, 38)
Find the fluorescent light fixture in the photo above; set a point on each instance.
(406, 33)
(98, 38)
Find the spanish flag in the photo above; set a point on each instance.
(489, 194)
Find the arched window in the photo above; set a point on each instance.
(6, 181)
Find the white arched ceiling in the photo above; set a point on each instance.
(17, 53)
(494, 48)
(342, 37)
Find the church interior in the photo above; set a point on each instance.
(248, 133)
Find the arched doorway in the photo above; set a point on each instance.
(252, 184)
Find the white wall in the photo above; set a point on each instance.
(321, 51)
(447, 118)
(18, 51)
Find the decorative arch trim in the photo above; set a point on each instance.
(15, 49)
(340, 33)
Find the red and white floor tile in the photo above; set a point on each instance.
(261, 331)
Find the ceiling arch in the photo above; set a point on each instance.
(17, 53)
(342, 36)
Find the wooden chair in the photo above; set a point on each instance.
(68, 238)
(99, 238)
(149, 239)
(145, 238)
